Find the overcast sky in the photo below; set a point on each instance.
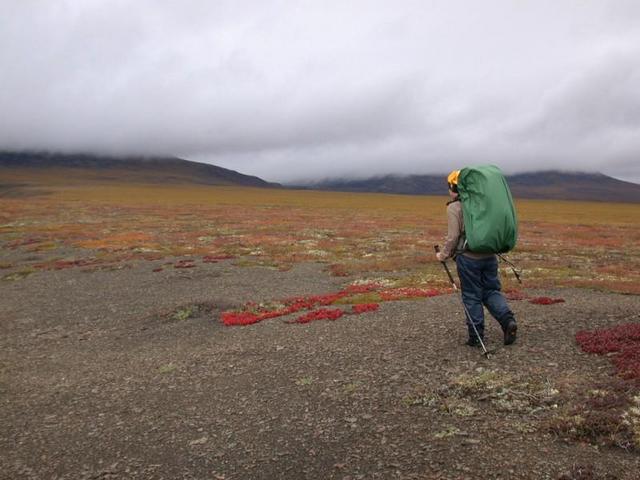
(296, 90)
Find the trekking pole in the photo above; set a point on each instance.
(466, 312)
(513, 268)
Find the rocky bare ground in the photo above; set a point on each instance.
(103, 376)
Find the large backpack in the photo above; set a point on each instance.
(490, 221)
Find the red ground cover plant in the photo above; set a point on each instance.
(620, 343)
(239, 318)
(364, 288)
(408, 292)
(320, 314)
(546, 300)
(252, 313)
(365, 307)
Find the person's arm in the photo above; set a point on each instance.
(454, 230)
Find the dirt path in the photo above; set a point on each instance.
(100, 378)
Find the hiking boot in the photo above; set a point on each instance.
(510, 332)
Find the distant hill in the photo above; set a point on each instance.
(42, 169)
(37, 168)
(542, 185)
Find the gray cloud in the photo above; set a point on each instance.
(305, 90)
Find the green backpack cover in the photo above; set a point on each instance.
(490, 221)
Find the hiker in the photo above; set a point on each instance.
(478, 273)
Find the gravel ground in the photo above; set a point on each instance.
(99, 379)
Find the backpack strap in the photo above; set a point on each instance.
(461, 246)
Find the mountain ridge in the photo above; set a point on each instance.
(143, 169)
(29, 168)
(545, 184)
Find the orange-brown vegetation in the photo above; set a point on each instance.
(594, 245)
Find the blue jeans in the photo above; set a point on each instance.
(481, 286)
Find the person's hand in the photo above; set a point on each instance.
(441, 257)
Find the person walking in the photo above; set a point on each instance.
(478, 273)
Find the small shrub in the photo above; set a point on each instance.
(183, 313)
(304, 381)
(19, 275)
(503, 392)
(585, 472)
(622, 343)
(184, 264)
(351, 387)
(168, 368)
(339, 270)
(603, 416)
(446, 433)
(631, 419)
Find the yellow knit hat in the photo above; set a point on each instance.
(452, 179)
